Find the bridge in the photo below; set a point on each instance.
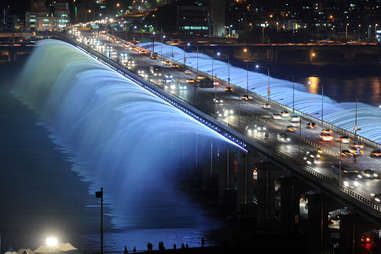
(269, 140)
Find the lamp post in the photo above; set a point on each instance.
(153, 43)
(375, 32)
(293, 96)
(268, 84)
(185, 45)
(197, 60)
(346, 31)
(356, 128)
(322, 103)
(228, 65)
(245, 51)
(99, 194)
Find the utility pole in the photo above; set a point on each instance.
(99, 194)
(322, 103)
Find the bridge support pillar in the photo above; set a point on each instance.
(264, 180)
(317, 221)
(241, 183)
(289, 212)
(351, 229)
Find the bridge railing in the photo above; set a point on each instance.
(285, 159)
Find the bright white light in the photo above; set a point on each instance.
(51, 241)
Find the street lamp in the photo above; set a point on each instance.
(346, 31)
(185, 45)
(228, 58)
(375, 32)
(153, 43)
(322, 103)
(51, 242)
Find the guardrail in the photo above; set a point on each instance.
(285, 160)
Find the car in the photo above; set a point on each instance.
(358, 145)
(351, 184)
(167, 63)
(225, 112)
(311, 125)
(349, 171)
(345, 139)
(285, 114)
(154, 56)
(266, 106)
(291, 128)
(228, 89)
(257, 128)
(216, 83)
(187, 72)
(295, 119)
(131, 62)
(283, 137)
(356, 150)
(326, 131)
(175, 66)
(376, 197)
(375, 154)
(326, 137)
(368, 173)
(218, 101)
(346, 153)
(183, 86)
(313, 154)
(309, 161)
(246, 97)
(277, 116)
(171, 87)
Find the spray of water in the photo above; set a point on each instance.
(339, 114)
(118, 136)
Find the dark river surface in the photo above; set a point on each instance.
(41, 195)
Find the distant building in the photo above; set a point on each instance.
(193, 20)
(61, 12)
(217, 17)
(54, 17)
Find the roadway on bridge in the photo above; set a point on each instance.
(248, 116)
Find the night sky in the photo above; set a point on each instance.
(19, 5)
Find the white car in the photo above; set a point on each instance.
(283, 138)
(351, 184)
(368, 173)
(295, 119)
(277, 116)
(218, 101)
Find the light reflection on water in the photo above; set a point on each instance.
(365, 89)
(313, 84)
